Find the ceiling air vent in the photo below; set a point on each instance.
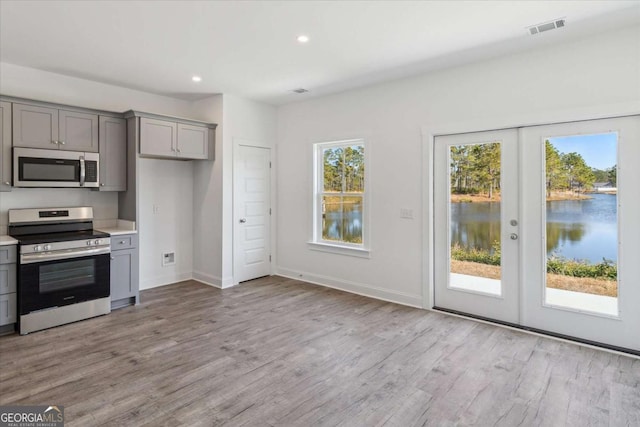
(301, 90)
(541, 28)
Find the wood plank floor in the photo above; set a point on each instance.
(281, 352)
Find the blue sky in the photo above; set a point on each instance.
(598, 151)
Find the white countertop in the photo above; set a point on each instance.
(115, 227)
(7, 240)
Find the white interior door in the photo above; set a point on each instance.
(252, 195)
(581, 230)
(476, 224)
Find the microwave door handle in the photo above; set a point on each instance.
(82, 171)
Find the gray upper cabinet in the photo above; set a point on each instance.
(5, 146)
(169, 139)
(35, 127)
(192, 142)
(113, 154)
(52, 128)
(158, 137)
(78, 131)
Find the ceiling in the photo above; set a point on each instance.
(249, 48)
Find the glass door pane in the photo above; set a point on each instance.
(475, 197)
(582, 222)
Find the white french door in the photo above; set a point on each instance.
(602, 231)
(471, 227)
(540, 226)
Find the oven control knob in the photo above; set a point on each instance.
(37, 248)
(97, 242)
(88, 242)
(47, 247)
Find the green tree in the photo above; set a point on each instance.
(486, 166)
(554, 168)
(612, 174)
(578, 174)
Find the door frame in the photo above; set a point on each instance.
(237, 143)
(498, 122)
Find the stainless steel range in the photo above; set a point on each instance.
(63, 268)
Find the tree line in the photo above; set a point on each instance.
(344, 169)
(476, 169)
(569, 171)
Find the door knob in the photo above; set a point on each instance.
(513, 236)
(242, 220)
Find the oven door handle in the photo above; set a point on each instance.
(64, 254)
(82, 171)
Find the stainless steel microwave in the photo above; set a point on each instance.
(54, 168)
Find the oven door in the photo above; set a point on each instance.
(57, 283)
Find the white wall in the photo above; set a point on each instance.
(207, 197)
(243, 120)
(166, 183)
(599, 71)
(167, 186)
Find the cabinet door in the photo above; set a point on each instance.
(78, 131)
(157, 137)
(5, 146)
(8, 309)
(193, 142)
(35, 127)
(113, 154)
(122, 274)
(8, 278)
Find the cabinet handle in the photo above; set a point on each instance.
(112, 258)
(55, 142)
(179, 151)
(122, 242)
(102, 184)
(7, 183)
(173, 149)
(61, 142)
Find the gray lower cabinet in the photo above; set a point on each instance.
(113, 154)
(124, 270)
(8, 283)
(5, 146)
(51, 128)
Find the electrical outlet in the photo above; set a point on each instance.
(156, 209)
(406, 213)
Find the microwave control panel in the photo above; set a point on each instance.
(91, 173)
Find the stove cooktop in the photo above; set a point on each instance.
(32, 239)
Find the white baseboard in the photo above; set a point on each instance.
(215, 281)
(168, 279)
(353, 287)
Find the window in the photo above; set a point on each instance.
(340, 200)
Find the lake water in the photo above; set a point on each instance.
(576, 229)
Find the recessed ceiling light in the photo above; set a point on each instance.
(302, 38)
(196, 79)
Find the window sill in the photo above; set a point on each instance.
(339, 249)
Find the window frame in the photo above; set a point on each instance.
(335, 246)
